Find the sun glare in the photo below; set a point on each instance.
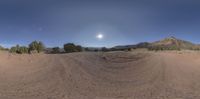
(100, 36)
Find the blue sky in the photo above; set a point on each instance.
(56, 22)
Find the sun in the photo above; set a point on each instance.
(99, 36)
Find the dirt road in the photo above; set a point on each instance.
(115, 75)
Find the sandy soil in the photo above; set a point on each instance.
(115, 75)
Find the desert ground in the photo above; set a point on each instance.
(111, 75)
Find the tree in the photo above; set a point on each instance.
(70, 47)
(96, 50)
(56, 50)
(87, 49)
(36, 46)
(19, 49)
(79, 48)
(1, 48)
(104, 49)
(22, 50)
(4, 49)
(129, 49)
(113, 49)
(40, 47)
(13, 49)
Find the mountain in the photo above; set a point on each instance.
(173, 42)
(170, 43)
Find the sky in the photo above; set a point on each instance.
(121, 22)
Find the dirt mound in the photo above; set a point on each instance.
(115, 75)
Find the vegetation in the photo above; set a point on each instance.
(36, 46)
(79, 48)
(104, 49)
(23, 49)
(166, 44)
(70, 47)
(160, 48)
(87, 49)
(143, 45)
(19, 49)
(56, 50)
(3, 49)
